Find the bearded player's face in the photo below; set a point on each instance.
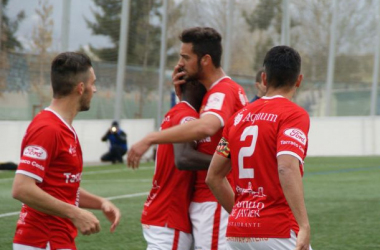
(89, 90)
(189, 62)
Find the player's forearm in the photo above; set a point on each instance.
(291, 183)
(216, 180)
(188, 158)
(222, 191)
(30, 194)
(196, 161)
(90, 201)
(190, 131)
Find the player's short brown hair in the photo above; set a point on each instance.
(67, 70)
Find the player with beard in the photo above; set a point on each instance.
(47, 180)
(200, 58)
(265, 144)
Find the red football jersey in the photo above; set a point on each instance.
(223, 99)
(51, 154)
(169, 199)
(253, 138)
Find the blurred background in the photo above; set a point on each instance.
(338, 42)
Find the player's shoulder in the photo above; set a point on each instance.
(182, 111)
(227, 82)
(295, 108)
(45, 121)
(294, 111)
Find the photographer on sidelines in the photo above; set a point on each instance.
(118, 144)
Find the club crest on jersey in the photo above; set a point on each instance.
(35, 152)
(296, 134)
(73, 150)
(238, 118)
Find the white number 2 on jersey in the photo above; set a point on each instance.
(247, 151)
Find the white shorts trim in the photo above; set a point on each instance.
(245, 243)
(209, 221)
(25, 247)
(164, 238)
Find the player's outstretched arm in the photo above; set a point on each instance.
(91, 201)
(25, 190)
(216, 180)
(291, 183)
(190, 131)
(186, 157)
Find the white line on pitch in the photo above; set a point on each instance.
(109, 198)
(96, 172)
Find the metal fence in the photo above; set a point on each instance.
(338, 41)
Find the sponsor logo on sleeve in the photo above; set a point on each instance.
(35, 152)
(215, 101)
(296, 134)
(187, 119)
(242, 97)
(238, 118)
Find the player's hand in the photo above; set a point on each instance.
(86, 222)
(177, 77)
(303, 239)
(112, 213)
(135, 153)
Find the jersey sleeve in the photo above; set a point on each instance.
(37, 150)
(293, 136)
(221, 103)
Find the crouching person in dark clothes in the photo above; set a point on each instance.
(118, 144)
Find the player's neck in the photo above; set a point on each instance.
(210, 77)
(288, 94)
(65, 108)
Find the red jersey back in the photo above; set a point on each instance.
(169, 199)
(51, 154)
(223, 99)
(254, 138)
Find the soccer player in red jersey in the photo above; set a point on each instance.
(165, 218)
(265, 145)
(200, 57)
(47, 180)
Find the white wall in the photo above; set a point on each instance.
(89, 133)
(333, 136)
(344, 136)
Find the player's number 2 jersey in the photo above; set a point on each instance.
(253, 138)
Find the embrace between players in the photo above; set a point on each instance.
(249, 197)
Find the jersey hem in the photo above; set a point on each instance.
(217, 115)
(166, 225)
(292, 154)
(34, 176)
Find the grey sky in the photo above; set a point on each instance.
(79, 35)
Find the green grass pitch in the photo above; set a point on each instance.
(342, 197)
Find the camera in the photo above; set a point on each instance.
(113, 129)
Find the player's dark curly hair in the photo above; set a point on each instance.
(67, 70)
(205, 41)
(193, 92)
(282, 66)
